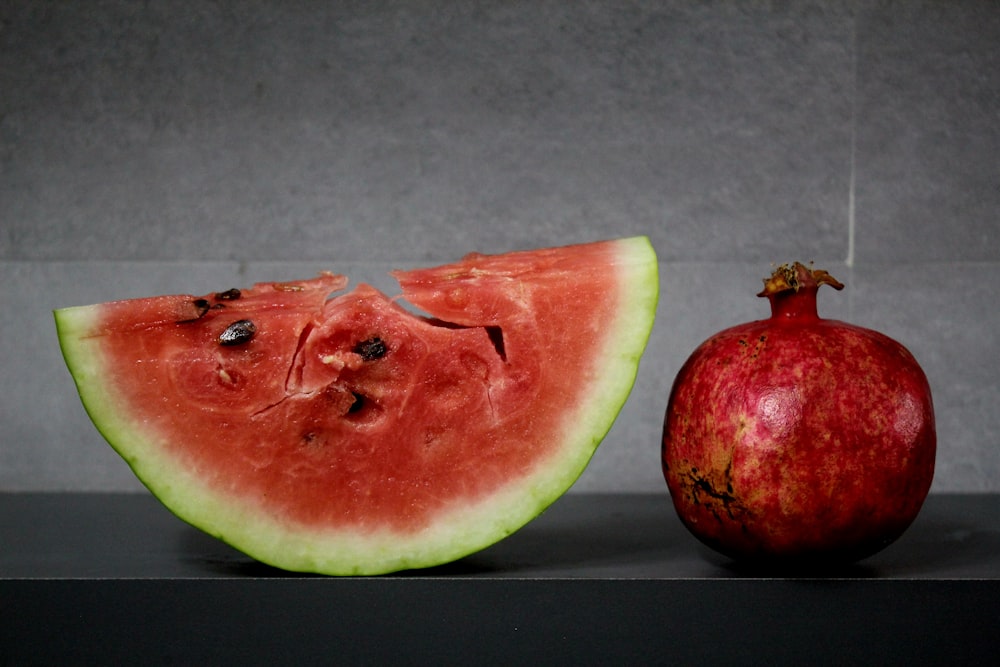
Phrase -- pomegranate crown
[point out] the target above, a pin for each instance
(793, 277)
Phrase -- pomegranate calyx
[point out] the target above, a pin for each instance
(793, 277)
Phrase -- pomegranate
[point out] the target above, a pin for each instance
(796, 439)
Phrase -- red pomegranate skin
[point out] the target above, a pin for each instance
(799, 439)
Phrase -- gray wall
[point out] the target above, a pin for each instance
(188, 147)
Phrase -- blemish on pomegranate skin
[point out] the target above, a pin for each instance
(703, 492)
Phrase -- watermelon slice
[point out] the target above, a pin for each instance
(348, 435)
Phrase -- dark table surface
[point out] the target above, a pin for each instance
(122, 536)
(596, 579)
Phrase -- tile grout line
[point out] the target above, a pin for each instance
(849, 260)
(852, 169)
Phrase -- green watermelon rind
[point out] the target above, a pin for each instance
(465, 530)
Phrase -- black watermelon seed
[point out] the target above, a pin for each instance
(371, 349)
(358, 404)
(238, 333)
(202, 306)
(228, 295)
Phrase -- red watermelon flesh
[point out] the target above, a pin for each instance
(348, 435)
